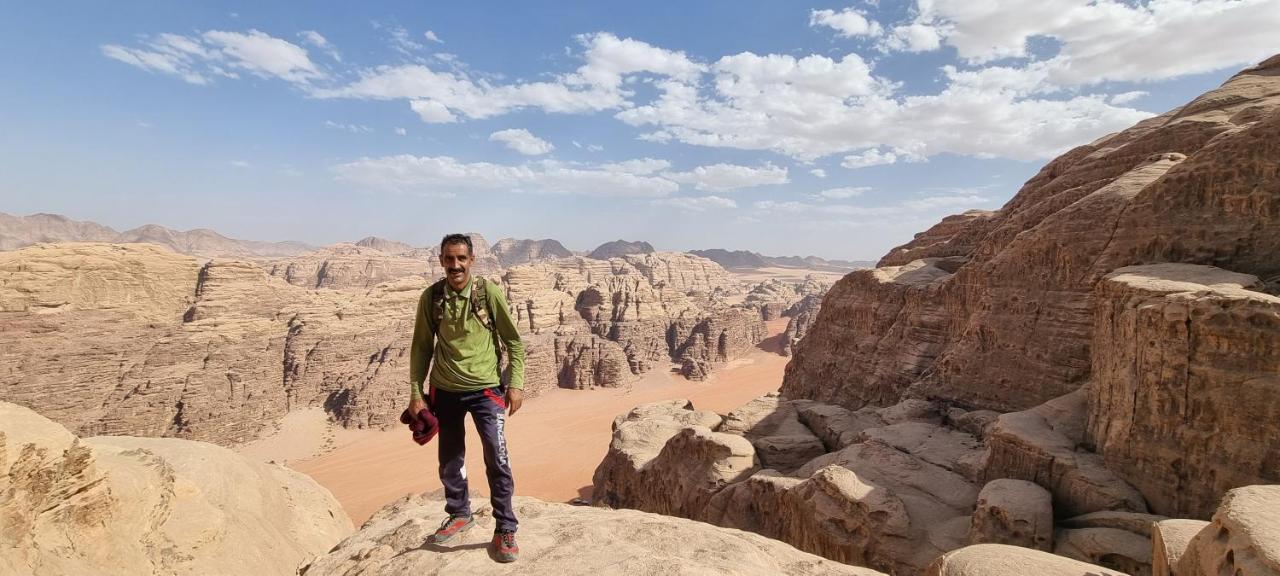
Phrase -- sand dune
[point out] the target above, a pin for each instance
(555, 441)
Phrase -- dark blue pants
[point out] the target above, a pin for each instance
(488, 411)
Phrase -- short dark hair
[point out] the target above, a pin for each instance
(456, 239)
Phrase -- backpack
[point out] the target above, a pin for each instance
(479, 308)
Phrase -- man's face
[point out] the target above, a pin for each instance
(456, 261)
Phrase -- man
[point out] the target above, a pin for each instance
(461, 324)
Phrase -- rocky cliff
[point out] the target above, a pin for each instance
(120, 505)
(1096, 356)
(1004, 311)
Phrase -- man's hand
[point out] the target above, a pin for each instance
(515, 398)
(416, 405)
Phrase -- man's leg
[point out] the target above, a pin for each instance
(489, 412)
(452, 442)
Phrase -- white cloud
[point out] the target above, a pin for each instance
(429, 35)
(240, 164)
(315, 39)
(872, 157)
(1127, 97)
(446, 176)
(522, 141)
(352, 128)
(401, 131)
(638, 166)
(914, 37)
(696, 204)
(818, 173)
(725, 177)
(1108, 40)
(432, 112)
(197, 59)
(842, 193)
(848, 22)
(595, 148)
(401, 41)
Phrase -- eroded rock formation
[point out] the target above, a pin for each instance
(120, 505)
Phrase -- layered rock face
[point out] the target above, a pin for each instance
(1009, 310)
(776, 298)
(620, 248)
(511, 252)
(1196, 185)
(132, 339)
(122, 505)
(556, 539)
(1186, 370)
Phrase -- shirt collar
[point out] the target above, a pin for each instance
(464, 293)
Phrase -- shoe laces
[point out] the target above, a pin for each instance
(508, 539)
(449, 520)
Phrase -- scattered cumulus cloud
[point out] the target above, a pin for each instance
(696, 203)
(848, 22)
(725, 177)
(1127, 97)
(818, 173)
(522, 141)
(240, 164)
(200, 58)
(429, 35)
(401, 131)
(314, 38)
(842, 193)
(872, 157)
(447, 176)
(352, 128)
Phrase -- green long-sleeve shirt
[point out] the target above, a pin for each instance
(465, 360)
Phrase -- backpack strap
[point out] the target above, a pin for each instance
(480, 303)
(436, 296)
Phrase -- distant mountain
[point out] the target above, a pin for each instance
(512, 252)
(747, 259)
(19, 231)
(384, 245)
(620, 248)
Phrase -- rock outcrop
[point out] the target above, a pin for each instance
(1014, 512)
(22, 231)
(557, 539)
(620, 248)
(1006, 311)
(1004, 560)
(121, 505)
(511, 252)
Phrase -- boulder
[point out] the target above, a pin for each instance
(1014, 512)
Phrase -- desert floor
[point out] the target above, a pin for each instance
(555, 441)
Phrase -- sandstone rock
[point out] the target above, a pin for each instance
(618, 248)
(384, 245)
(511, 252)
(121, 505)
(876, 332)
(1038, 445)
(953, 450)
(1004, 560)
(803, 314)
(1169, 541)
(1116, 549)
(1013, 326)
(773, 426)
(1243, 538)
(557, 539)
(1014, 512)
(1131, 521)
(1185, 403)
(837, 427)
(352, 266)
(955, 235)
(696, 369)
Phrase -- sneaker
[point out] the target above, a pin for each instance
(504, 545)
(452, 526)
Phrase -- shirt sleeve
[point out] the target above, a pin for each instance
(423, 342)
(509, 335)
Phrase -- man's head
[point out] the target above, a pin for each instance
(456, 259)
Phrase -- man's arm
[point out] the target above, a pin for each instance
(422, 347)
(509, 335)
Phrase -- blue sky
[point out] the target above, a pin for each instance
(834, 129)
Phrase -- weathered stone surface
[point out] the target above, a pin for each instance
(1014, 512)
(955, 235)
(1004, 560)
(588, 361)
(775, 298)
(1117, 549)
(120, 505)
(803, 314)
(1135, 522)
(352, 266)
(875, 333)
(1185, 403)
(773, 426)
(619, 248)
(1041, 445)
(836, 426)
(696, 369)
(1169, 541)
(1013, 326)
(511, 252)
(1243, 538)
(557, 539)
